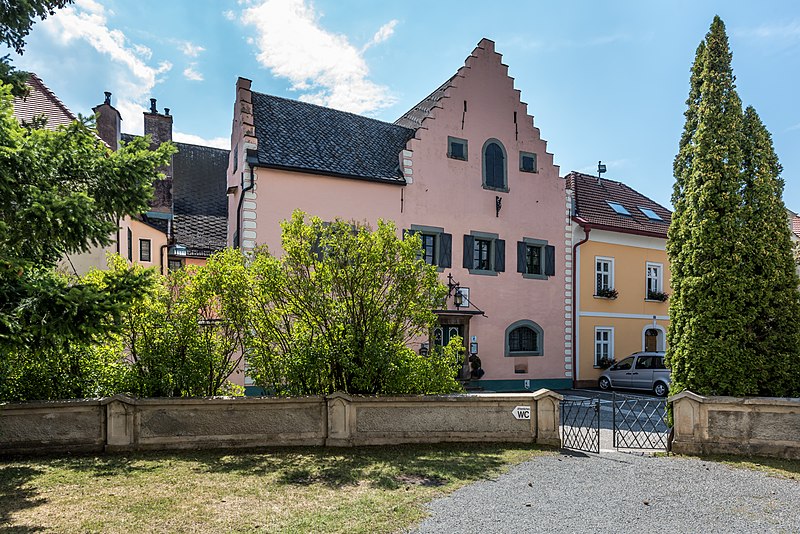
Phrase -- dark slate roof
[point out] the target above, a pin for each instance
(199, 197)
(200, 202)
(591, 205)
(299, 136)
(413, 118)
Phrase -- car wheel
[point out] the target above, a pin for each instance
(660, 389)
(604, 383)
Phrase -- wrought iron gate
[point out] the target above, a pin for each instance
(640, 423)
(580, 425)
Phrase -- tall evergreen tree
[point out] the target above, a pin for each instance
(722, 339)
(775, 305)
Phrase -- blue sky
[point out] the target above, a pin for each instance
(604, 80)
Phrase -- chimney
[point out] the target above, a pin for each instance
(159, 127)
(108, 122)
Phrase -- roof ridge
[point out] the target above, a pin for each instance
(52, 95)
(430, 98)
(309, 104)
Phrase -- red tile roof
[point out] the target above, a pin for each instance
(41, 100)
(796, 225)
(592, 196)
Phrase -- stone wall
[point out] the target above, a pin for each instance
(757, 426)
(122, 423)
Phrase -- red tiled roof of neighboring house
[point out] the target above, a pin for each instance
(796, 225)
(42, 101)
(592, 197)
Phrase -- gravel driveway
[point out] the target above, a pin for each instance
(621, 492)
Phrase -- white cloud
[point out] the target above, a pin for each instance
(191, 74)
(324, 66)
(190, 49)
(230, 15)
(787, 31)
(86, 21)
(218, 142)
(385, 31)
(792, 128)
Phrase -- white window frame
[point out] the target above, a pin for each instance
(610, 262)
(659, 278)
(609, 342)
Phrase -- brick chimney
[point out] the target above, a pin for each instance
(108, 122)
(159, 127)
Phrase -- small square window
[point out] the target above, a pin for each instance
(457, 148)
(527, 162)
(144, 250)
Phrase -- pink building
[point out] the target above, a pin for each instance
(466, 169)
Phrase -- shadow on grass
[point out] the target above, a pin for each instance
(15, 496)
(387, 467)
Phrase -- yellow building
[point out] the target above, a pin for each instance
(621, 282)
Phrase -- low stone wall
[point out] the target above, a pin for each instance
(759, 426)
(121, 423)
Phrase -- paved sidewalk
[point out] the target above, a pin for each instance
(621, 492)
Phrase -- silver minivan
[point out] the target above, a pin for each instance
(641, 370)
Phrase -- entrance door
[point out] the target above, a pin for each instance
(444, 333)
(651, 340)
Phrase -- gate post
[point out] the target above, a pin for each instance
(548, 417)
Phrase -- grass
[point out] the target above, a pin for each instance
(371, 489)
(777, 467)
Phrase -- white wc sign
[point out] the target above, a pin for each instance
(522, 412)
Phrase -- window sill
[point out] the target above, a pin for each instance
(604, 298)
(482, 272)
(459, 159)
(529, 172)
(523, 354)
(498, 189)
(535, 276)
(655, 300)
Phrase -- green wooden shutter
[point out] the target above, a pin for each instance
(469, 251)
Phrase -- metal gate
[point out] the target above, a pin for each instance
(580, 425)
(640, 423)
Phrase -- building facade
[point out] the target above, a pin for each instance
(622, 284)
(467, 169)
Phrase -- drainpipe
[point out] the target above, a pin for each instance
(252, 159)
(586, 228)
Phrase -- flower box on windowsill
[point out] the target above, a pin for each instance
(657, 296)
(604, 363)
(607, 293)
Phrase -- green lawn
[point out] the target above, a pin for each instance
(777, 467)
(371, 489)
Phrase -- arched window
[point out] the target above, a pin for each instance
(494, 165)
(524, 338)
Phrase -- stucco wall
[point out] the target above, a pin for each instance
(729, 425)
(630, 314)
(122, 423)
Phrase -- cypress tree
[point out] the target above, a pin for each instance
(706, 334)
(775, 304)
(728, 257)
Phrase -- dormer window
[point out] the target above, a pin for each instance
(618, 208)
(457, 148)
(494, 166)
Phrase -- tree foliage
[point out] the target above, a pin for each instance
(734, 312)
(61, 192)
(336, 311)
